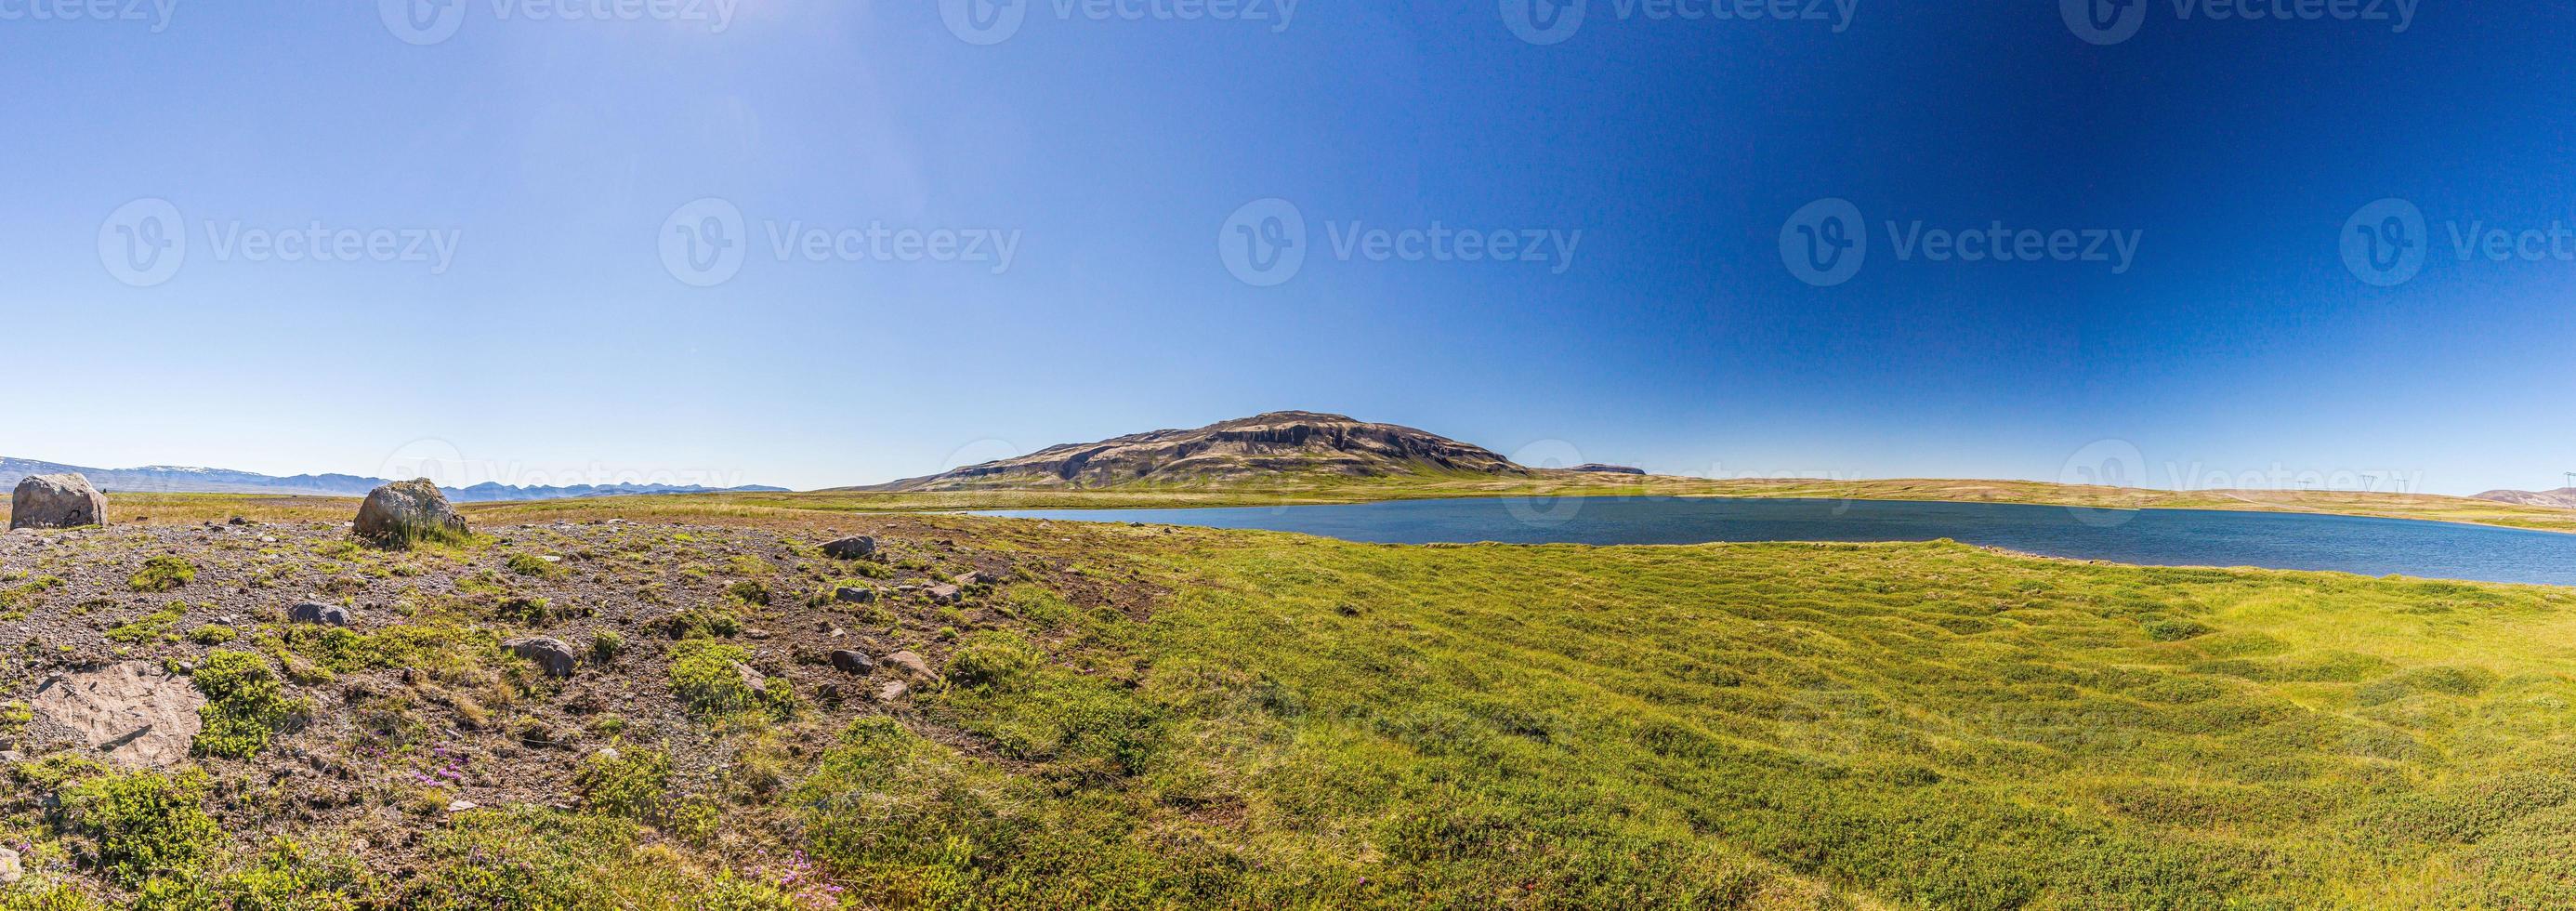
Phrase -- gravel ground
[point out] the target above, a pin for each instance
(380, 753)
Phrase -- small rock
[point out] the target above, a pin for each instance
(558, 658)
(946, 594)
(462, 806)
(56, 501)
(608, 754)
(892, 690)
(9, 871)
(910, 664)
(316, 612)
(850, 662)
(754, 679)
(854, 594)
(236, 520)
(976, 577)
(8, 757)
(550, 558)
(856, 547)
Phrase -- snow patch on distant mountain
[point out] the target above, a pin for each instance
(191, 479)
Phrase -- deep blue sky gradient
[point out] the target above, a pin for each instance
(2238, 345)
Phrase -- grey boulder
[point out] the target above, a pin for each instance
(56, 501)
(407, 511)
(317, 612)
(855, 547)
(556, 657)
(854, 662)
(911, 665)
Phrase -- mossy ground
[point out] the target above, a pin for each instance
(1149, 717)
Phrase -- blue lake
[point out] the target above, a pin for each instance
(2370, 547)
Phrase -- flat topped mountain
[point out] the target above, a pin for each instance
(2562, 498)
(1278, 443)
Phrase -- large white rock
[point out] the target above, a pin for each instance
(56, 501)
(133, 715)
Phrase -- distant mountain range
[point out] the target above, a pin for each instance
(1280, 443)
(182, 479)
(2562, 498)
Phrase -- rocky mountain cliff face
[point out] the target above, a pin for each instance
(2562, 498)
(1278, 443)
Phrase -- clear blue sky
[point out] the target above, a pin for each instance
(1114, 151)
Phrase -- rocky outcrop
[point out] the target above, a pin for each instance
(56, 501)
(404, 512)
(1282, 442)
(133, 715)
(1598, 468)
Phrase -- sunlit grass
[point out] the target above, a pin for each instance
(1316, 489)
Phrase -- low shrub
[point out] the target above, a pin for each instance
(992, 659)
(244, 704)
(2177, 630)
(628, 782)
(146, 824)
(707, 677)
(162, 573)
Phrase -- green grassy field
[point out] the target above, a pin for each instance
(1340, 489)
(1792, 725)
(1259, 720)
